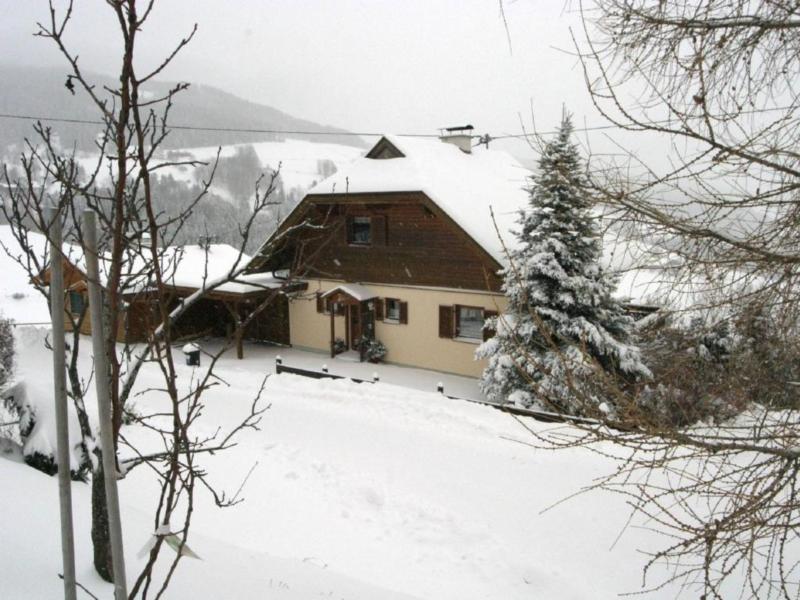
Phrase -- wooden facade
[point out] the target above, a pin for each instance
(413, 242)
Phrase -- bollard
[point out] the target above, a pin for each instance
(375, 378)
(324, 368)
(440, 387)
(278, 360)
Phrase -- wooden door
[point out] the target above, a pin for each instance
(355, 324)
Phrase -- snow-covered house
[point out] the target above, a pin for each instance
(403, 246)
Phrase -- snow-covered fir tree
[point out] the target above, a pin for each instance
(562, 323)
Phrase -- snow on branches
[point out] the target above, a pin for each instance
(562, 330)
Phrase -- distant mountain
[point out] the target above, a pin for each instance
(41, 92)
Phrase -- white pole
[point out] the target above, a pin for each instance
(104, 405)
(60, 392)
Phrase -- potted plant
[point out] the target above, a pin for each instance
(374, 350)
(339, 346)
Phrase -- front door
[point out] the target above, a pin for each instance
(355, 325)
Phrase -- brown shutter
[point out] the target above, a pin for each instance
(320, 303)
(378, 230)
(445, 321)
(348, 229)
(403, 313)
(379, 309)
(488, 332)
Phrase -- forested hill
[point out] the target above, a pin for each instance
(41, 92)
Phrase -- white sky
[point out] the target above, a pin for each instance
(379, 65)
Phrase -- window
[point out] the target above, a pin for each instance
(392, 309)
(465, 322)
(76, 304)
(469, 322)
(360, 229)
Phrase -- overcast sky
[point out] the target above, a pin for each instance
(379, 65)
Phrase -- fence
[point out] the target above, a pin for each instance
(547, 417)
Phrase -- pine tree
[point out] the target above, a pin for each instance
(562, 322)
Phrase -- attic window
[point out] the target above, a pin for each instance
(360, 231)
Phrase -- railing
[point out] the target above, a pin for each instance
(547, 417)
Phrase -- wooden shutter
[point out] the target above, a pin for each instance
(320, 303)
(488, 332)
(403, 313)
(446, 321)
(378, 230)
(348, 229)
(379, 309)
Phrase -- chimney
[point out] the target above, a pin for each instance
(460, 137)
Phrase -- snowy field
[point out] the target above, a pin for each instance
(357, 491)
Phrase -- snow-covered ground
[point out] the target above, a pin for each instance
(357, 491)
(18, 298)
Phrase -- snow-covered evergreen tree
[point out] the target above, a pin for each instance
(562, 322)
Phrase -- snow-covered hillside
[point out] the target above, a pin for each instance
(299, 162)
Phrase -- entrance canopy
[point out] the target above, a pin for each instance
(354, 292)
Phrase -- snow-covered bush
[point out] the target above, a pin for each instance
(562, 326)
(339, 346)
(711, 371)
(6, 351)
(373, 350)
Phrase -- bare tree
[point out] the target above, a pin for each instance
(717, 80)
(135, 264)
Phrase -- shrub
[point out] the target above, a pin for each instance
(339, 346)
(373, 350)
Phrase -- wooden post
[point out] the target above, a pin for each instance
(238, 332)
(333, 332)
(440, 387)
(60, 384)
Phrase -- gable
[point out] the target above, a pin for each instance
(384, 149)
(482, 191)
(418, 245)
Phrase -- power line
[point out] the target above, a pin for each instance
(754, 111)
(354, 133)
(217, 129)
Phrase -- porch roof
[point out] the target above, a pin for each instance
(354, 290)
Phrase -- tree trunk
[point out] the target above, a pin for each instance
(101, 540)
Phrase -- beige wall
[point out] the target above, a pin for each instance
(415, 344)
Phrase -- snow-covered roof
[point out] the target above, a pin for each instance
(355, 290)
(191, 266)
(468, 187)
